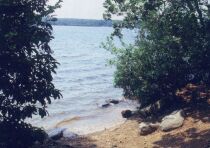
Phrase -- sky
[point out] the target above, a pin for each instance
(84, 9)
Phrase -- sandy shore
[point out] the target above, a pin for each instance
(191, 135)
(195, 133)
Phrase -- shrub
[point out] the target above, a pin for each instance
(172, 47)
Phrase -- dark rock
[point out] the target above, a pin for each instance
(126, 113)
(105, 105)
(151, 109)
(109, 103)
(114, 101)
(147, 128)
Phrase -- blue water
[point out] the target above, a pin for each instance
(85, 81)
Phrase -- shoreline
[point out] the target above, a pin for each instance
(194, 133)
(95, 121)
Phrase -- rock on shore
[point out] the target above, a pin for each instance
(147, 128)
(126, 113)
(172, 121)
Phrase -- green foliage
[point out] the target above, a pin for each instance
(172, 47)
(26, 67)
(22, 135)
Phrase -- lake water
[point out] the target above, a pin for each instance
(85, 81)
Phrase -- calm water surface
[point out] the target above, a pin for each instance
(85, 81)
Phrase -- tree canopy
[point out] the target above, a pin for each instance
(26, 67)
(171, 51)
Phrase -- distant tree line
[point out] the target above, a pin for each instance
(82, 22)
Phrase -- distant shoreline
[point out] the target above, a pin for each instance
(79, 26)
(82, 22)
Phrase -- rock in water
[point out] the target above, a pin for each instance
(126, 113)
(56, 133)
(105, 105)
(114, 101)
(147, 128)
(172, 121)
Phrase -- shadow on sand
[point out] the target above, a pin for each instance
(80, 142)
(192, 137)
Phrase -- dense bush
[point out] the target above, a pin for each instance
(26, 67)
(172, 47)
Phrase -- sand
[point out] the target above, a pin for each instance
(191, 135)
(195, 133)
